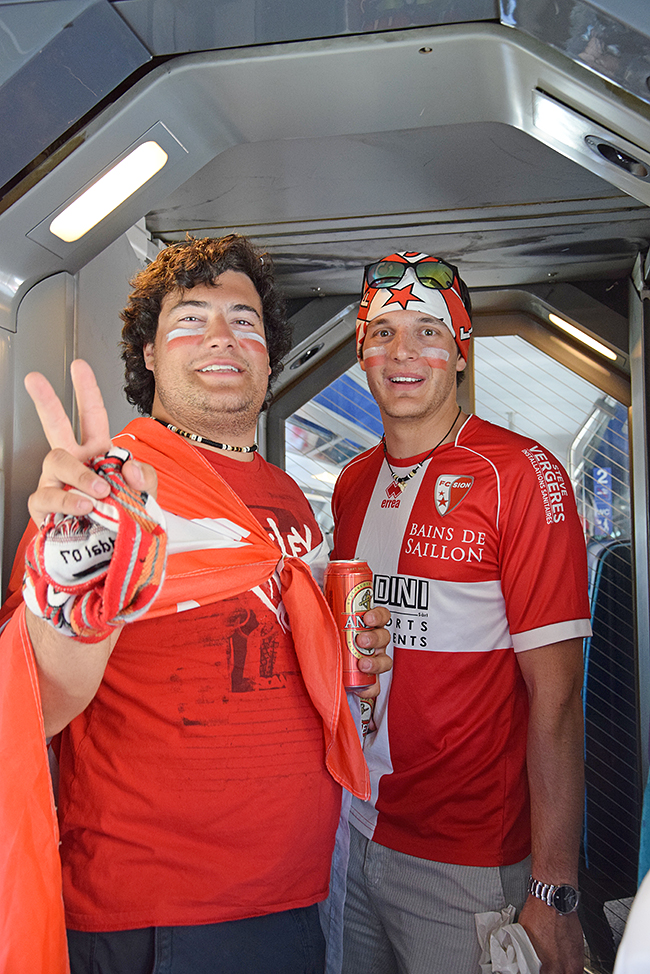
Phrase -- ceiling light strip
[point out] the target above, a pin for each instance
(112, 189)
(583, 337)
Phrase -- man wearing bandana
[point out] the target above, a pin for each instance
(472, 534)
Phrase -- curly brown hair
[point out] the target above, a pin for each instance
(182, 266)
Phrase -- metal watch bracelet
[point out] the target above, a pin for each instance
(563, 898)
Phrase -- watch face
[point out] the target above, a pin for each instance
(565, 899)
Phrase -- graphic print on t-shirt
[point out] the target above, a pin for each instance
(449, 491)
(248, 636)
(434, 534)
(236, 648)
(263, 630)
(240, 625)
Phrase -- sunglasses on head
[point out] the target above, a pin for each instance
(435, 274)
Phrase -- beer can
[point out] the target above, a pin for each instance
(348, 590)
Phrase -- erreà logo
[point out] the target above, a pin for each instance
(393, 490)
(449, 491)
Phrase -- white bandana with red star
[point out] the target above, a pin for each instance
(410, 295)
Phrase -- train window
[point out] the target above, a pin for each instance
(326, 433)
(520, 387)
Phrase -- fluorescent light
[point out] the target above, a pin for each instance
(325, 476)
(107, 193)
(583, 337)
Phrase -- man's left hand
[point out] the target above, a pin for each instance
(557, 939)
(376, 637)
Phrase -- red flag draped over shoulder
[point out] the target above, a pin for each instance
(227, 552)
(32, 929)
(217, 549)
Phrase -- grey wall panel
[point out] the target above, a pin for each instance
(75, 70)
(43, 342)
(59, 319)
(168, 27)
(102, 292)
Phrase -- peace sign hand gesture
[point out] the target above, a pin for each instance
(65, 464)
(70, 672)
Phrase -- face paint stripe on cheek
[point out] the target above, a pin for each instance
(248, 336)
(177, 333)
(374, 355)
(436, 357)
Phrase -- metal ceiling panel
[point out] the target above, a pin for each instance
(490, 197)
(22, 35)
(69, 76)
(200, 25)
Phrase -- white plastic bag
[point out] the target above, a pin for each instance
(506, 947)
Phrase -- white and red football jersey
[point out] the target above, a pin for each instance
(481, 556)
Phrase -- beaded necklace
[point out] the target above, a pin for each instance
(203, 439)
(403, 481)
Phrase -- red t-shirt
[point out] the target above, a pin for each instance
(480, 557)
(193, 788)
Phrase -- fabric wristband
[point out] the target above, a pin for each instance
(87, 574)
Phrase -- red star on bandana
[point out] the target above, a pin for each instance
(402, 296)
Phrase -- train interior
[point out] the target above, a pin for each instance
(511, 137)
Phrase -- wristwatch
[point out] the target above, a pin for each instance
(564, 898)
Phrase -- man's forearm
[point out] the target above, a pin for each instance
(69, 672)
(556, 781)
(553, 676)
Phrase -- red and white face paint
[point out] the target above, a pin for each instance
(194, 336)
(436, 357)
(188, 336)
(250, 340)
(374, 355)
(382, 334)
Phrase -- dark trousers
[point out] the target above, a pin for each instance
(290, 942)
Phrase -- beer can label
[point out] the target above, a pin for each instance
(357, 601)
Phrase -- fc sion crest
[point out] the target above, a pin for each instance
(449, 491)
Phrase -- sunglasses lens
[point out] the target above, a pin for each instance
(388, 273)
(385, 273)
(435, 274)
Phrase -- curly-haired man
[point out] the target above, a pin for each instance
(201, 748)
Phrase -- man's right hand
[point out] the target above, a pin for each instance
(65, 464)
(70, 672)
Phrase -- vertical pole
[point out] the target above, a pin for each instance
(639, 429)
